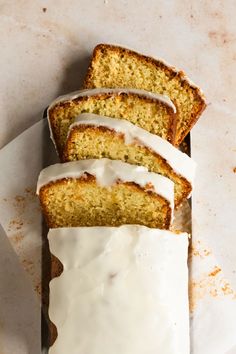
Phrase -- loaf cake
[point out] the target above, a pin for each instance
(93, 136)
(153, 112)
(122, 290)
(104, 193)
(114, 66)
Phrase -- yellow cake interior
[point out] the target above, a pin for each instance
(82, 202)
(151, 115)
(113, 66)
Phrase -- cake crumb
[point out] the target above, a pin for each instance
(44, 9)
(29, 191)
(214, 272)
(17, 239)
(227, 290)
(198, 250)
(28, 266)
(15, 224)
(19, 203)
(38, 289)
(209, 285)
(234, 169)
(19, 198)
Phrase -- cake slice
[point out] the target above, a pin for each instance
(93, 136)
(155, 113)
(104, 193)
(124, 289)
(114, 66)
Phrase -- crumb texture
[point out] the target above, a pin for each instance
(82, 202)
(151, 115)
(113, 66)
(89, 142)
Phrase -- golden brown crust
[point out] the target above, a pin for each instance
(195, 117)
(170, 71)
(61, 106)
(84, 127)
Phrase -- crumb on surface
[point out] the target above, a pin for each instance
(234, 169)
(214, 272)
(198, 250)
(28, 266)
(227, 290)
(17, 238)
(15, 224)
(44, 9)
(19, 198)
(38, 288)
(209, 285)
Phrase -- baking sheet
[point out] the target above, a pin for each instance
(212, 298)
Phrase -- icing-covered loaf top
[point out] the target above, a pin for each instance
(122, 290)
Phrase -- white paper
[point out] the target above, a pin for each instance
(19, 307)
(21, 161)
(213, 300)
(212, 303)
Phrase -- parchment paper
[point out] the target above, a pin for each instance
(212, 298)
(19, 307)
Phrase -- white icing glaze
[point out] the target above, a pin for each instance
(123, 290)
(114, 91)
(107, 172)
(180, 162)
(100, 91)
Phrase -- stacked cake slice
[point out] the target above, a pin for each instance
(93, 136)
(105, 192)
(113, 66)
(153, 112)
(119, 275)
